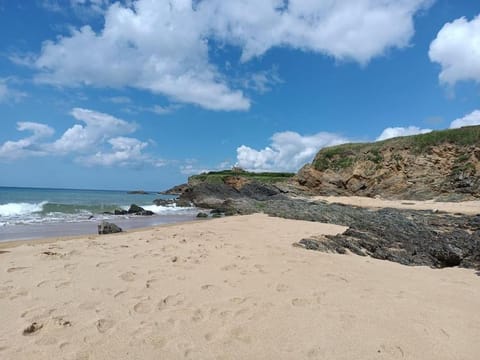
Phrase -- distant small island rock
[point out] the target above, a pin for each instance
(138, 192)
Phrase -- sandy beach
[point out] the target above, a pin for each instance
(228, 288)
(464, 207)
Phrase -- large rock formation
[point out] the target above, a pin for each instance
(444, 165)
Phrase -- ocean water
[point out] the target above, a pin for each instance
(36, 212)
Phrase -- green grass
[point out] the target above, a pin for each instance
(219, 176)
(343, 156)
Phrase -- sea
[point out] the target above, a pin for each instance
(33, 213)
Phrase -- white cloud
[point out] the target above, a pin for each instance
(29, 146)
(347, 30)
(163, 46)
(468, 120)
(457, 49)
(288, 151)
(125, 151)
(157, 46)
(392, 132)
(98, 128)
(99, 142)
(7, 93)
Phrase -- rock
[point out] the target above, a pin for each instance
(164, 202)
(108, 228)
(138, 192)
(202, 215)
(137, 210)
(217, 215)
(32, 328)
(176, 190)
(120, 212)
(183, 202)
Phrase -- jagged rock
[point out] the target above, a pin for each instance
(427, 166)
(163, 202)
(183, 202)
(120, 212)
(108, 228)
(176, 190)
(137, 210)
(202, 215)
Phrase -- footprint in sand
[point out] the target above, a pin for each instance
(171, 300)
(120, 293)
(142, 308)
(281, 288)
(229, 267)
(197, 315)
(300, 302)
(103, 325)
(15, 269)
(128, 276)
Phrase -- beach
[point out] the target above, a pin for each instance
(228, 288)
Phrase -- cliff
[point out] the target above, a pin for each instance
(442, 165)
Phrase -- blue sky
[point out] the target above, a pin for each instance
(141, 94)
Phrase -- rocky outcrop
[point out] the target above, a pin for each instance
(108, 228)
(442, 165)
(176, 190)
(215, 195)
(138, 210)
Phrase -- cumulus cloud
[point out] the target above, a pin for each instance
(288, 151)
(347, 30)
(28, 146)
(468, 120)
(392, 132)
(457, 49)
(100, 141)
(125, 151)
(98, 128)
(163, 46)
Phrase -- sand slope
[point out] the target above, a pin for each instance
(230, 288)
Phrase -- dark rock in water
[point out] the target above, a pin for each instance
(217, 215)
(216, 211)
(138, 192)
(137, 210)
(108, 228)
(183, 202)
(120, 212)
(163, 202)
(202, 215)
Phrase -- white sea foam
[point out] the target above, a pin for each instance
(164, 210)
(19, 209)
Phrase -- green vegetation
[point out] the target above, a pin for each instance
(343, 156)
(220, 176)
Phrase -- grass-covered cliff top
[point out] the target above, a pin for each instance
(219, 176)
(342, 156)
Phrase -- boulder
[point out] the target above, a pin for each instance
(163, 202)
(138, 210)
(120, 212)
(108, 228)
(202, 215)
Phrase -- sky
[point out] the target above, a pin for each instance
(102, 94)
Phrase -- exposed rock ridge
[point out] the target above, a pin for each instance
(443, 165)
